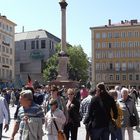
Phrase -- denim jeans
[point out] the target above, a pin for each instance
(99, 133)
(117, 135)
(1, 125)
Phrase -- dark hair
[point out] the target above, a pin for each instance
(92, 92)
(101, 86)
(103, 91)
(54, 88)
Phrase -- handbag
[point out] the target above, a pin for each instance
(132, 118)
(61, 134)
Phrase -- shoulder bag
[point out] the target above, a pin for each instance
(61, 134)
(132, 118)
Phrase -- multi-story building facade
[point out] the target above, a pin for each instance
(116, 54)
(33, 48)
(7, 50)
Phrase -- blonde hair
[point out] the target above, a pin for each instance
(70, 90)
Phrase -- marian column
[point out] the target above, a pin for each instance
(63, 57)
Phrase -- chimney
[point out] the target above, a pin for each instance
(4, 16)
(23, 29)
(122, 22)
(134, 21)
(109, 22)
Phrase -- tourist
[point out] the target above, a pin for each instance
(60, 100)
(117, 133)
(84, 109)
(54, 120)
(128, 106)
(74, 118)
(30, 118)
(99, 115)
(4, 115)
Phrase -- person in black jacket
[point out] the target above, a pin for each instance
(73, 121)
(99, 116)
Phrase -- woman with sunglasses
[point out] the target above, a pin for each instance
(73, 122)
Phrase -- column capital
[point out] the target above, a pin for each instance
(63, 4)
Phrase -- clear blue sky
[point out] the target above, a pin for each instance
(81, 15)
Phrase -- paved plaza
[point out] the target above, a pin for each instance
(81, 131)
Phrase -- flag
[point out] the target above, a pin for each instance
(29, 83)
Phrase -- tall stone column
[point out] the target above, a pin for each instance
(63, 57)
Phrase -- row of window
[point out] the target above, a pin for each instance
(99, 54)
(117, 44)
(5, 49)
(117, 77)
(124, 34)
(117, 54)
(6, 73)
(6, 39)
(37, 44)
(5, 60)
(118, 66)
(6, 27)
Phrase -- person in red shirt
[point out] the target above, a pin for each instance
(83, 92)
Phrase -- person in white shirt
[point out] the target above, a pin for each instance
(4, 115)
(54, 114)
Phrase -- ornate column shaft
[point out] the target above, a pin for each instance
(63, 6)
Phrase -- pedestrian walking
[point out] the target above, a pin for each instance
(54, 120)
(30, 118)
(4, 115)
(84, 105)
(73, 106)
(117, 133)
(128, 106)
(99, 113)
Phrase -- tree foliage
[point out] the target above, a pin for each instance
(77, 66)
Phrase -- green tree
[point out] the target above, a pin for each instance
(77, 66)
(50, 72)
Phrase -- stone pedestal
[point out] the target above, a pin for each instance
(65, 83)
(62, 68)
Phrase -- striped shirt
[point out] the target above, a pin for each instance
(34, 111)
(84, 106)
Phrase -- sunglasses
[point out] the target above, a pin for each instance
(71, 94)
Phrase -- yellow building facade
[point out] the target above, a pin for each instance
(7, 50)
(116, 54)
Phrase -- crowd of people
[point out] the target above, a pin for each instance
(63, 109)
